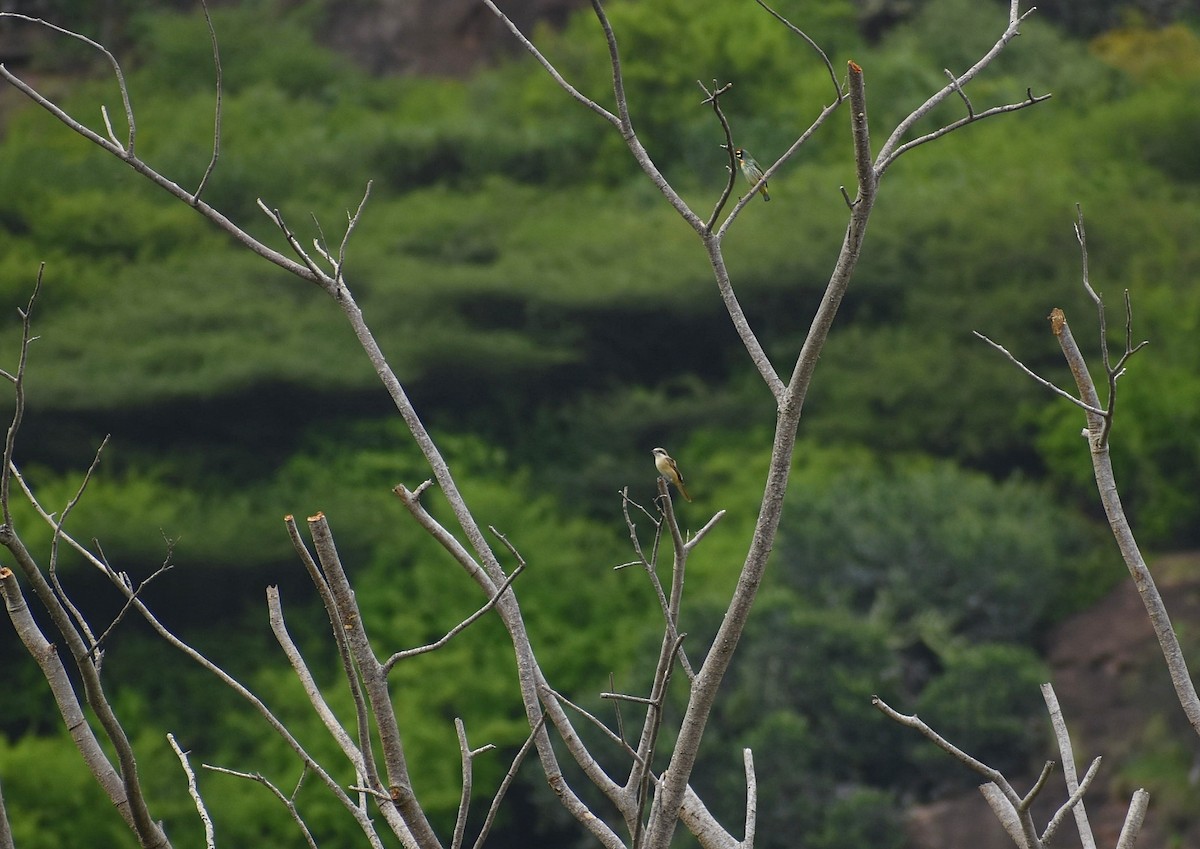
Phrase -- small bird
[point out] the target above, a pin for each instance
(751, 170)
(667, 468)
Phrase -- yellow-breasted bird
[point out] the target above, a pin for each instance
(751, 170)
(667, 468)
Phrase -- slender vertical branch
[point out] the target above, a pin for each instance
(1068, 761)
(18, 381)
(374, 684)
(216, 150)
(210, 839)
(1185, 689)
(751, 799)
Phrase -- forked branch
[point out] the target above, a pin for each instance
(1099, 418)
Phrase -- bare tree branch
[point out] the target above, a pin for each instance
(751, 799)
(332, 724)
(1134, 819)
(1073, 802)
(893, 148)
(1062, 393)
(210, 840)
(18, 381)
(1185, 690)
(457, 629)
(6, 837)
(837, 88)
(289, 802)
(374, 685)
(216, 152)
(486, 829)
(1068, 761)
(1027, 830)
(468, 756)
(55, 672)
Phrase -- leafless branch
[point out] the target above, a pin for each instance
(1037, 787)
(210, 840)
(1062, 393)
(468, 756)
(126, 154)
(360, 816)
(595, 720)
(289, 802)
(1065, 750)
(751, 799)
(216, 152)
(713, 98)
(958, 88)
(1134, 819)
(1185, 689)
(18, 381)
(837, 88)
(457, 629)
(374, 685)
(993, 776)
(279, 628)
(971, 118)
(369, 770)
(131, 126)
(1072, 802)
(893, 147)
(55, 672)
(6, 837)
(506, 783)
(164, 567)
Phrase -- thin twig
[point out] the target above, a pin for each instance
(1073, 802)
(509, 777)
(713, 98)
(112, 60)
(18, 380)
(457, 629)
(164, 567)
(1062, 393)
(1037, 787)
(288, 802)
(52, 565)
(1030, 100)
(216, 151)
(958, 88)
(210, 839)
(837, 88)
(892, 148)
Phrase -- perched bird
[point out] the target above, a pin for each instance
(751, 170)
(667, 468)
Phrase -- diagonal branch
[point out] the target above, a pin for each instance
(1068, 760)
(1062, 393)
(892, 148)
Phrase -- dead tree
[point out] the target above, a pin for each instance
(644, 806)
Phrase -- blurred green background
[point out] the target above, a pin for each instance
(553, 321)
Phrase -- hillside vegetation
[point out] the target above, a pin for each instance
(554, 322)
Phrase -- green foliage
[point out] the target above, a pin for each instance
(986, 702)
(50, 769)
(554, 322)
(900, 540)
